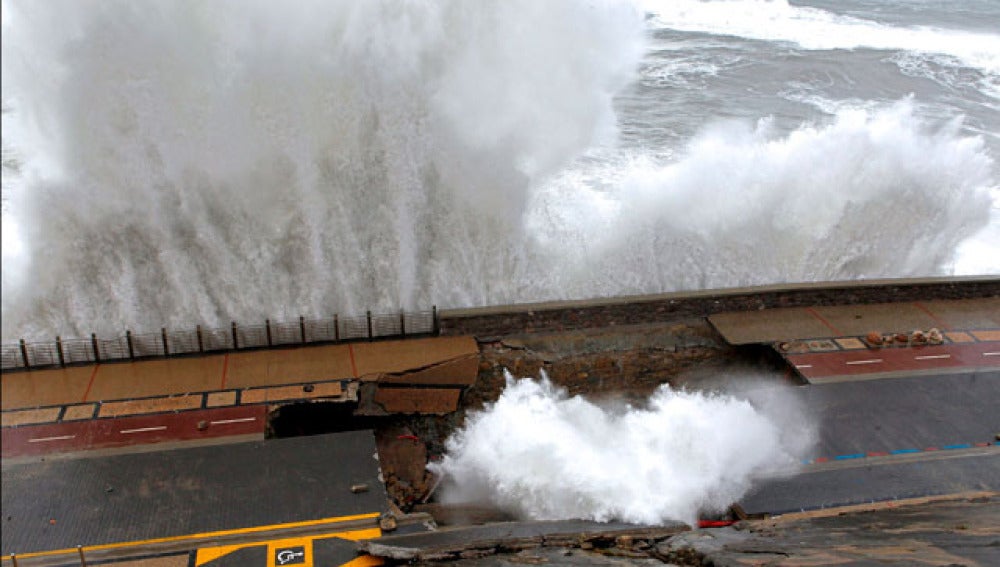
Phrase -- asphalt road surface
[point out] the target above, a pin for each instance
(893, 438)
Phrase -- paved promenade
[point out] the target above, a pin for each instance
(201, 398)
(235, 370)
(795, 323)
(830, 344)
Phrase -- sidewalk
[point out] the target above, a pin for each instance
(776, 325)
(260, 376)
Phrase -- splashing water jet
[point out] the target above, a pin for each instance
(543, 455)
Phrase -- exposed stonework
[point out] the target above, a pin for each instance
(624, 364)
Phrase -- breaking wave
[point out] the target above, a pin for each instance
(185, 163)
(872, 194)
(543, 455)
(814, 28)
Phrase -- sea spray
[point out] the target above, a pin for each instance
(188, 162)
(870, 194)
(541, 454)
(183, 162)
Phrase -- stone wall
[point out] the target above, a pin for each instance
(568, 315)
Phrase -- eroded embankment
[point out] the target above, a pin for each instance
(624, 364)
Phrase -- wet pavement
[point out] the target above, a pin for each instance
(59, 504)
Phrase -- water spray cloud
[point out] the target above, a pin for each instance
(543, 455)
(186, 163)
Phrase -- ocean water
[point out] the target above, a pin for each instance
(172, 163)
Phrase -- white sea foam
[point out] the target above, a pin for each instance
(193, 163)
(813, 28)
(871, 194)
(541, 454)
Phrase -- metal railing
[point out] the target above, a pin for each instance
(62, 352)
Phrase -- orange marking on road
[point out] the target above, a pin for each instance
(225, 370)
(91, 383)
(354, 366)
(836, 332)
(940, 323)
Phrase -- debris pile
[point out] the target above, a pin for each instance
(917, 337)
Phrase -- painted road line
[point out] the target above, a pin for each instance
(991, 354)
(931, 356)
(225, 421)
(803, 366)
(57, 438)
(900, 456)
(870, 361)
(143, 429)
(357, 522)
(896, 452)
(851, 456)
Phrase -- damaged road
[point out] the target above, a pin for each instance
(953, 530)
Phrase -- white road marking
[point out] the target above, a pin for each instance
(872, 361)
(44, 439)
(803, 366)
(991, 354)
(931, 356)
(240, 420)
(144, 429)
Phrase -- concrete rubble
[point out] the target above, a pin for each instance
(958, 531)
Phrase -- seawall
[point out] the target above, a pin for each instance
(632, 310)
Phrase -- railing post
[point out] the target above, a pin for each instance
(131, 347)
(201, 344)
(267, 325)
(24, 354)
(336, 328)
(302, 328)
(59, 351)
(83, 560)
(402, 323)
(236, 340)
(166, 345)
(369, 313)
(435, 326)
(93, 344)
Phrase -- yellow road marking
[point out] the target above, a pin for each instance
(220, 533)
(355, 535)
(207, 554)
(364, 561)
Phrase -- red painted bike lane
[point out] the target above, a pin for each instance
(896, 359)
(30, 440)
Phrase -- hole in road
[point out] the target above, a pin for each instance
(316, 418)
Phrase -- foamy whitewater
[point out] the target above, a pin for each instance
(180, 162)
(542, 455)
